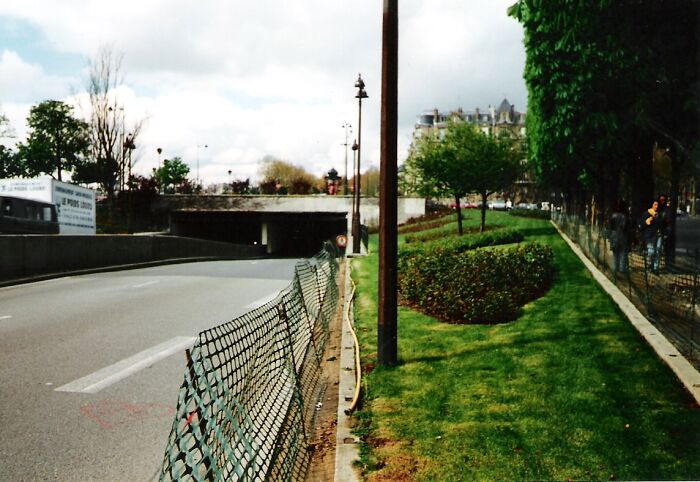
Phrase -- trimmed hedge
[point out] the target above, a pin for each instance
(458, 244)
(531, 213)
(425, 225)
(477, 286)
(445, 230)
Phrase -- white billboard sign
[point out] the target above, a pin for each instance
(75, 205)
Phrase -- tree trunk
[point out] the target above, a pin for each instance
(484, 195)
(459, 215)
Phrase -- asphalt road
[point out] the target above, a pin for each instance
(688, 234)
(90, 366)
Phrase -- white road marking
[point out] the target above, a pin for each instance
(147, 283)
(6, 317)
(259, 302)
(95, 382)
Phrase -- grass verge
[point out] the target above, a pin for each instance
(567, 391)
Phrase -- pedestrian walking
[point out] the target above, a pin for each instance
(620, 237)
(651, 225)
(665, 218)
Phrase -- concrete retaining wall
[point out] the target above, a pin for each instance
(369, 206)
(23, 256)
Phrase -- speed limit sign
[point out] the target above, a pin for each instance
(341, 241)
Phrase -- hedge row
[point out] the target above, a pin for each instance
(459, 244)
(425, 225)
(478, 286)
(531, 213)
(445, 230)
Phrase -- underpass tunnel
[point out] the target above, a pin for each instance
(284, 233)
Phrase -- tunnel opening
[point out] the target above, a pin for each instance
(285, 234)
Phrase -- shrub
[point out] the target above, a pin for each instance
(425, 225)
(445, 230)
(457, 244)
(531, 213)
(477, 286)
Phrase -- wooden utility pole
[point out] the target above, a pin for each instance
(388, 192)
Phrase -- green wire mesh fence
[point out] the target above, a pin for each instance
(249, 395)
(669, 296)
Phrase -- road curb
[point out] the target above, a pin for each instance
(685, 372)
(347, 449)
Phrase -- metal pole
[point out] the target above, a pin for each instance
(345, 187)
(388, 192)
(361, 94)
(356, 218)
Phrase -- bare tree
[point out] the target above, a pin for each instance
(111, 140)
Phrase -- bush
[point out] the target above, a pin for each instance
(531, 213)
(445, 230)
(458, 244)
(425, 225)
(477, 286)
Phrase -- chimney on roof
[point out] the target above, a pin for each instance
(511, 114)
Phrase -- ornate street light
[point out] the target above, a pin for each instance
(361, 94)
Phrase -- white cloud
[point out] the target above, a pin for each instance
(270, 77)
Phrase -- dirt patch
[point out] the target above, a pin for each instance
(393, 464)
(322, 440)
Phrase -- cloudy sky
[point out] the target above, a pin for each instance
(269, 77)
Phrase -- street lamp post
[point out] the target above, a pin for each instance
(354, 182)
(160, 188)
(198, 146)
(348, 128)
(361, 94)
(129, 146)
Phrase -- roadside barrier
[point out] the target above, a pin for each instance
(249, 397)
(668, 296)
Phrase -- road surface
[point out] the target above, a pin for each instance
(91, 365)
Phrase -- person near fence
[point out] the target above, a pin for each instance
(665, 217)
(651, 232)
(620, 237)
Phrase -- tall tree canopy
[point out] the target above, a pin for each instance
(606, 81)
(57, 141)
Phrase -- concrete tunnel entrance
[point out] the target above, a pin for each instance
(284, 233)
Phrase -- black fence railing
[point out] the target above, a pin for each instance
(248, 400)
(666, 290)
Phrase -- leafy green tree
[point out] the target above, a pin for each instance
(606, 81)
(172, 175)
(10, 164)
(465, 160)
(57, 140)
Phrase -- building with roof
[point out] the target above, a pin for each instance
(491, 120)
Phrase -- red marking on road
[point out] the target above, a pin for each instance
(110, 414)
(189, 419)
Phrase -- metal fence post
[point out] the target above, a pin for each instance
(694, 303)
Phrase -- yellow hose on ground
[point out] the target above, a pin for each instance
(358, 368)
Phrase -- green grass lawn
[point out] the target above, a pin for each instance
(569, 390)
